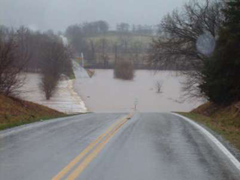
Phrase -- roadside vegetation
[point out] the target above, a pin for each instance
(14, 56)
(124, 70)
(23, 50)
(15, 112)
(56, 62)
(203, 40)
(223, 120)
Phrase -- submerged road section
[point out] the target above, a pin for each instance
(145, 146)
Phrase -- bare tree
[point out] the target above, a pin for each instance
(103, 45)
(115, 50)
(56, 61)
(177, 46)
(93, 52)
(49, 85)
(136, 50)
(14, 56)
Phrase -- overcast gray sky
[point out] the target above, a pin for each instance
(58, 14)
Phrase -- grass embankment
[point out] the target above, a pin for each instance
(15, 112)
(223, 120)
(72, 76)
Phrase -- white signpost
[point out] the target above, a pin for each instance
(135, 104)
(82, 57)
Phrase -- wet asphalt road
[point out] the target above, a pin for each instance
(150, 146)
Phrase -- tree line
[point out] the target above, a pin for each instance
(98, 27)
(203, 37)
(22, 50)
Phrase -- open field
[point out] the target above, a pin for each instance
(112, 38)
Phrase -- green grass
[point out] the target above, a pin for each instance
(113, 38)
(72, 76)
(224, 126)
(22, 122)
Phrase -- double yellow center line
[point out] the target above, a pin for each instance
(91, 151)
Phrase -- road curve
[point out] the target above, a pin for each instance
(150, 146)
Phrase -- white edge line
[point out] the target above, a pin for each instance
(214, 140)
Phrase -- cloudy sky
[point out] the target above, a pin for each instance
(58, 14)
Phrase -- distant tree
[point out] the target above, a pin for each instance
(93, 28)
(123, 27)
(134, 28)
(76, 37)
(116, 51)
(136, 49)
(92, 57)
(103, 46)
(78, 34)
(144, 29)
(124, 43)
(103, 26)
(221, 74)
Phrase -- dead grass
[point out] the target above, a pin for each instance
(223, 120)
(227, 116)
(14, 112)
(90, 72)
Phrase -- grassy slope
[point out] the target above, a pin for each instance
(223, 120)
(14, 112)
(112, 37)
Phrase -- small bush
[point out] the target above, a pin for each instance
(124, 70)
(56, 60)
(158, 87)
(49, 85)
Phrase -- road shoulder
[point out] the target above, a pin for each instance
(224, 145)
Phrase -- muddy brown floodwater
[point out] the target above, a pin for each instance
(103, 93)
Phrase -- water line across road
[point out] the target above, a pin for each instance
(107, 146)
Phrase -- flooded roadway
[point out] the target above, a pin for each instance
(103, 93)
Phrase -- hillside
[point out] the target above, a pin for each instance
(114, 37)
(14, 112)
(104, 49)
(223, 120)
